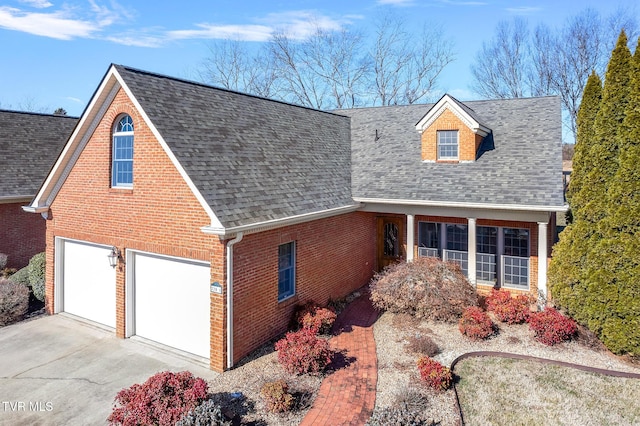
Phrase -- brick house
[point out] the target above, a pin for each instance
(222, 211)
(28, 143)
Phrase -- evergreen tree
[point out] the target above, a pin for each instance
(569, 254)
(619, 250)
(595, 272)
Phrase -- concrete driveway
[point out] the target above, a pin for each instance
(56, 370)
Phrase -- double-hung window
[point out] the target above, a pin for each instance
(286, 270)
(428, 239)
(447, 144)
(122, 155)
(516, 258)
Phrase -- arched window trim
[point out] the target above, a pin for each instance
(122, 152)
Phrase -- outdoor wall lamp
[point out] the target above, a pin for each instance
(114, 256)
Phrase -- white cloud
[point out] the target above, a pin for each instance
(523, 10)
(55, 25)
(296, 24)
(39, 4)
(212, 31)
(397, 2)
(72, 99)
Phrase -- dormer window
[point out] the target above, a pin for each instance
(122, 155)
(448, 144)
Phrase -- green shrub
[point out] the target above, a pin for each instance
(21, 277)
(434, 374)
(208, 413)
(36, 275)
(276, 396)
(14, 301)
(476, 324)
(426, 288)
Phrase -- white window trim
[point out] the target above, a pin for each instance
(451, 158)
(293, 262)
(115, 134)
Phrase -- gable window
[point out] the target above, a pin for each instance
(122, 155)
(447, 144)
(286, 270)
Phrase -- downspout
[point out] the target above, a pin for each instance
(230, 245)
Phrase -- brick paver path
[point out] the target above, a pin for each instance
(348, 394)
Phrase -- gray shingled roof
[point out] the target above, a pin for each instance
(521, 163)
(29, 144)
(252, 159)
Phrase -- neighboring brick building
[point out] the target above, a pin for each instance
(226, 210)
(28, 144)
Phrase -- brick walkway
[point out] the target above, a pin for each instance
(348, 394)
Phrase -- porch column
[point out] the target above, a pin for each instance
(542, 260)
(410, 239)
(471, 250)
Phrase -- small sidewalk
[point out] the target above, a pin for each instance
(347, 395)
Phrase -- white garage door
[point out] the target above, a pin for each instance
(172, 299)
(88, 282)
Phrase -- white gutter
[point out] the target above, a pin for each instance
(278, 223)
(15, 198)
(230, 245)
(522, 207)
(31, 209)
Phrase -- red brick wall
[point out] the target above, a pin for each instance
(159, 214)
(468, 142)
(334, 256)
(22, 234)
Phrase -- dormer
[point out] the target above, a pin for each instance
(451, 132)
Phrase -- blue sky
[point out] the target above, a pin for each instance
(56, 52)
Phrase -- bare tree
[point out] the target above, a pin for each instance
(405, 69)
(549, 61)
(501, 65)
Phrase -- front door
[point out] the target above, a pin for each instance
(389, 241)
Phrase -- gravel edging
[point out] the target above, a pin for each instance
(397, 368)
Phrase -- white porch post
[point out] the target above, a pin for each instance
(410, 239)
(542, 260)
(471, 250)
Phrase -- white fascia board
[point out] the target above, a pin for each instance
(215, 222)
(520, 207)
(42, 198)
(8, 199)
(278, 223)
(447, 103)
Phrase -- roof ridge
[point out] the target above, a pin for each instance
(42, 114)
(222, 89)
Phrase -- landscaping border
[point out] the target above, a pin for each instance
(586, 368)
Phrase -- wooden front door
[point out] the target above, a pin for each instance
(390, 250)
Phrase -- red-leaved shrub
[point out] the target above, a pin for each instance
(425, 288)
(162, 400)
(303, 352)
(475, 323)
(551, 327)
(277, 397)
(315, 317)
(434, 374)
(512, 310)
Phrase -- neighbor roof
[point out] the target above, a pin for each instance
(520, 162)
(29, 142)
(252, 159)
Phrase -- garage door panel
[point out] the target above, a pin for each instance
(89, 282)
(172, 302)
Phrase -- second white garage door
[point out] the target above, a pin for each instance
(172, 302)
